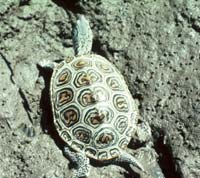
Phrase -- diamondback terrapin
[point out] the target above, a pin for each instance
(93, 110)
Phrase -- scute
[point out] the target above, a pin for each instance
(92, 107)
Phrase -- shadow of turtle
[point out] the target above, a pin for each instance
(69, 5)
(47, 123)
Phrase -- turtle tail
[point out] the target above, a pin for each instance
(82, 36)
(131, 160)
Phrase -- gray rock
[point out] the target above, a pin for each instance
(155, 44)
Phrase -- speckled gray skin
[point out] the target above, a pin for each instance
(155, 44)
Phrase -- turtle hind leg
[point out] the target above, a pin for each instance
(82, 165)
(131, 160)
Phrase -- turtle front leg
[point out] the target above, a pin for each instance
(47, 65)
(82, 163)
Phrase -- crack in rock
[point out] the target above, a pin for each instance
(9, 67)
(25, 104)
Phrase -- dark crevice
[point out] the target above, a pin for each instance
(25, 18)
(97, 48)
(166, 160)
(131, 174)
(9, 67)
(25, 104)
(69, 5)
(24, 2)
(136, 144)
(138, 96)
(184, 16)
(25, 101)
(191, 22)
(196, 27)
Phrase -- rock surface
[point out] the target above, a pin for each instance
(155, 44)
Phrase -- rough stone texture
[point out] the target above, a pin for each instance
(155, 44)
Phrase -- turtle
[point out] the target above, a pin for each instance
(93, 110)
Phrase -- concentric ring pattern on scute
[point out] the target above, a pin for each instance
(92, 106)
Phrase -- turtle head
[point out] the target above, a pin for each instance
(82, 36)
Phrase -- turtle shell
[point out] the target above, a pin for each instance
(93, 109)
